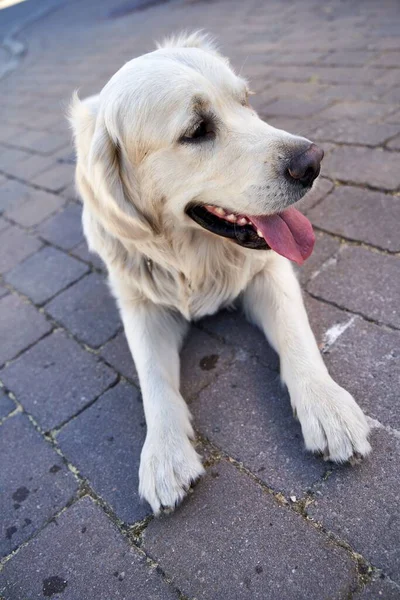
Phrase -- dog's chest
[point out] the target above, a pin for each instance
(197, 299)
(204, 293)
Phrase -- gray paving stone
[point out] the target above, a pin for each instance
(70, 192)
(3, 291)
(230, 539)
(56, 177)
(359, 503)
(362, 357)
(325, 317)
(6, 405)
(366, 359)
(352, 164)
(360, 111)
(14, 194)
(363, 281)
(29, 167)
(346, 58)
(34, 481)
(247, 413)
(394, 144)
(20, 326)
(116, 352)
(394, 118)
(321, 74)
(82, 252)
(43, 142)
(15, 246)
(56, 378)
(247, 340)
(202, 358)
(81, 556)
(325, 247)
(65, 228)
(3, 224)
(12, 156)
(105, 443)
(294, 107)
(87, 310)
(321, 188)
(344, 131)
(381, 588)
(40, 206)
(45, 273)
(354, 213)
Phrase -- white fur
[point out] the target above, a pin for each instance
(136, 179)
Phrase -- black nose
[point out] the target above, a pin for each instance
(305, 167)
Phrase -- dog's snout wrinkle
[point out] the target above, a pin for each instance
(305, 166)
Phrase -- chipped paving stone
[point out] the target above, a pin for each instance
(362, 281)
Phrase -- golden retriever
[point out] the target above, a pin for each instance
(188, 200)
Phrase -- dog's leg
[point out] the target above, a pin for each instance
(330, 419)
(168, 463)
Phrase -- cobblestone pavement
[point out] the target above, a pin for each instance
(268, 521)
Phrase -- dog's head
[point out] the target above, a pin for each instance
(172, 142)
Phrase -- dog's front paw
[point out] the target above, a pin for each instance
(331, 420)
(168, 465)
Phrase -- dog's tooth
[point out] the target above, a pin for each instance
(242, 221)
(259, 233)
(231, 218)
(219, 211)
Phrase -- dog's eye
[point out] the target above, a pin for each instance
(203, 131)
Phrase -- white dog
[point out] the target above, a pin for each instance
(188, 200)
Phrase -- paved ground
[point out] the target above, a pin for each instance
(268, 521)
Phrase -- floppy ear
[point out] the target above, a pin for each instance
(104, 176)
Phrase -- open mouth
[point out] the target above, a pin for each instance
(288, 233)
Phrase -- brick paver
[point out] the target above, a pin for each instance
(20, 324)
(35, 490)
(247, 413)
(88, 310)
(6, 405)
(383, 589)
(223, 520)
(366, 360)
(64, 229)
(31, 277)
(55, 379)
(44, 569)
(352, 164)
(15, 245)
(104, 442)
(369, 284)
(349, 499)
(39, 206)
(364, 210)
(269, 520)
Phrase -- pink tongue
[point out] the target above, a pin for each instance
(289, 234)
